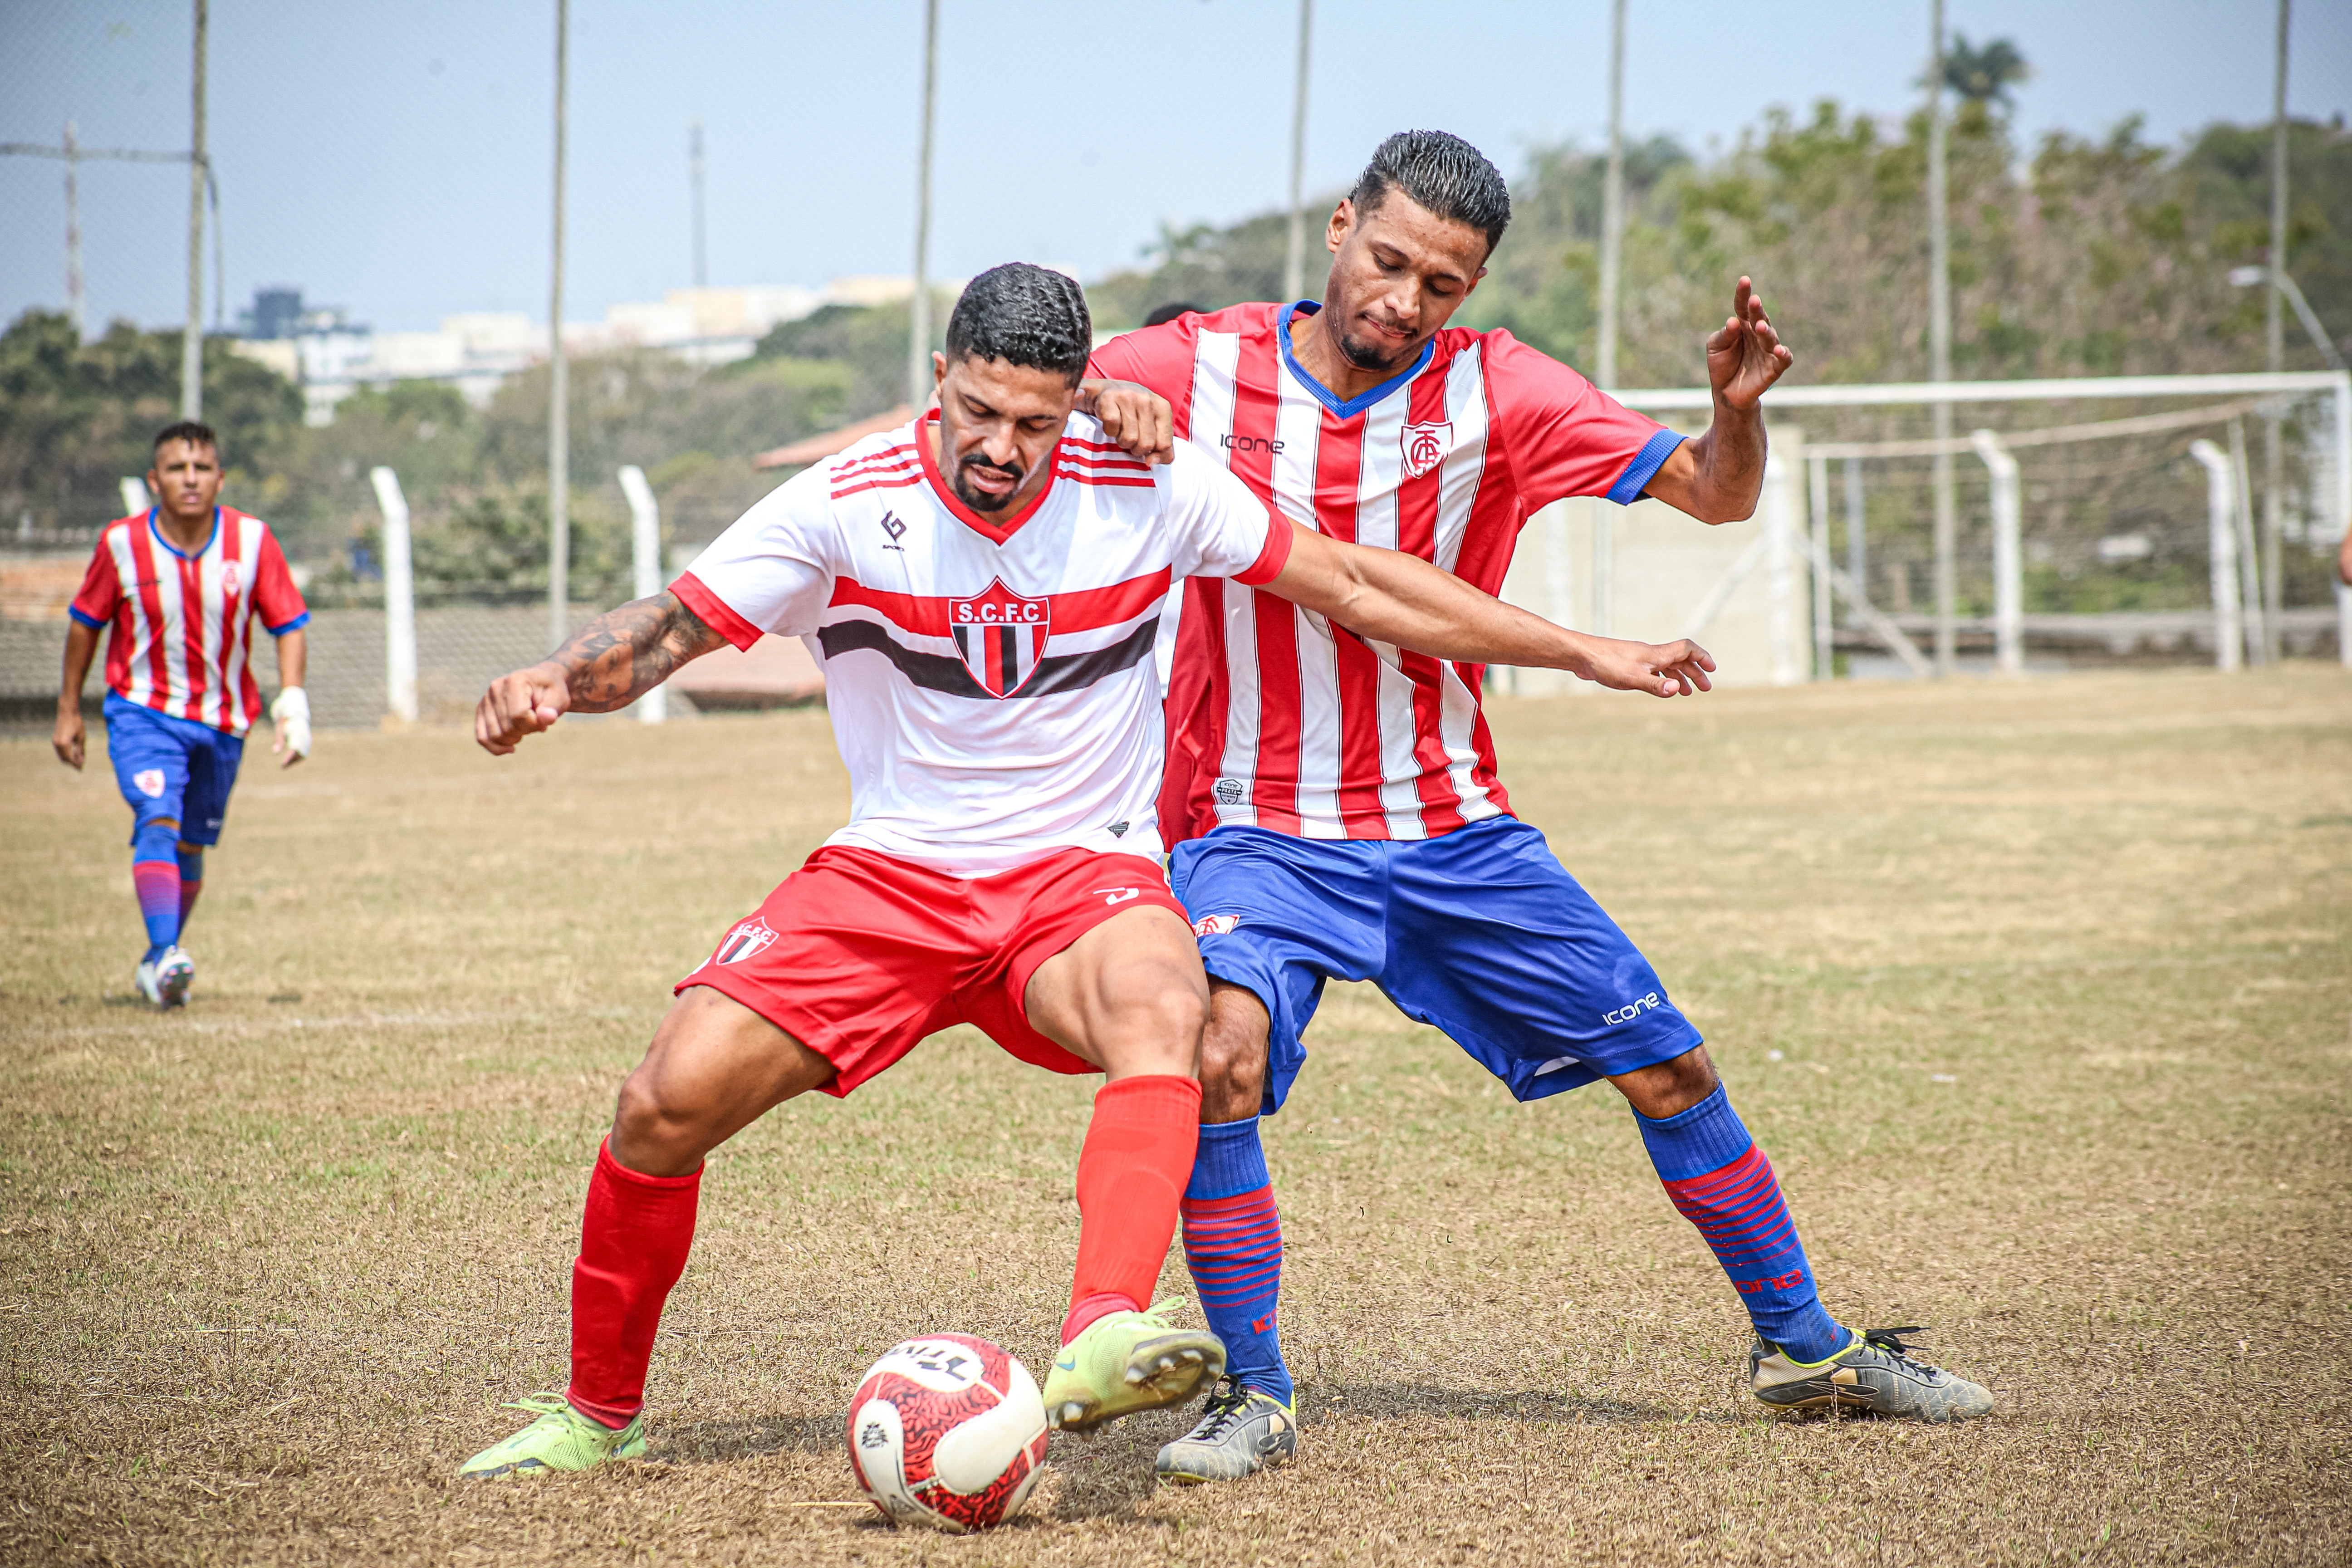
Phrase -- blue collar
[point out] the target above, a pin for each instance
(1323, 394)
(155, 528)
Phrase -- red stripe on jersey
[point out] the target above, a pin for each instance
(714, 611)
(1417, 500)
(1101, 451)
(906, 480)
(192, 632)
(1339, 483)
(889, 457)
(1104, 476)
(1078, 610)
(1274, 769)
(144, 557)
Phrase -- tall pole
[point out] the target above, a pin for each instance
(919, 325)
(2275, 343)
(1940, 346)
(1612, 250)
(1613, 202)
(76, 311)
(694, 164)
(1294, 261)
(558, 379)
(192, 341)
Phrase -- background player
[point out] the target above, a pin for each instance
(1355, 824)
(181, 584)
(983, 588)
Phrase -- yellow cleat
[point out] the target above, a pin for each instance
(1127, 1361)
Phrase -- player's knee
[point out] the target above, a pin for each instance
(653, 1126)
(1234, 1056)
(1671, 1087)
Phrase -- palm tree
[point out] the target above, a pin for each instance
(1984, 75)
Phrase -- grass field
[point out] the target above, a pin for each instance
(2037, 994)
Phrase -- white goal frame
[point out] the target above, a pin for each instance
(1780, 519)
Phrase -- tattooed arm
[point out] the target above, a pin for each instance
(612, 661)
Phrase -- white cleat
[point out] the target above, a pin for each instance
(165, 982)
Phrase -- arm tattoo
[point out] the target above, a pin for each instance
(624, 653)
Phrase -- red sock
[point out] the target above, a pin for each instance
(1131, 1172)
(633, 1244)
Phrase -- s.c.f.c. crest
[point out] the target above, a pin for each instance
(748, 938)
(230, 579)
(1425, 447)
(1000, 636)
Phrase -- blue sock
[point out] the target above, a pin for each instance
(155, 878)
(1722, 1183)
(191, 882)
(1233, 1244)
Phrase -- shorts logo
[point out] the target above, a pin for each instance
(1000, 637)
(751, 937)
(1230, 792)
(1118, 896)
(1215, 925)
(1633, 1010)
(1425, 447)
(230, 577)
(149, 781)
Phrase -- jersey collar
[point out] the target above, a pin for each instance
(1324, 395)
(995, 532)
(156, 529)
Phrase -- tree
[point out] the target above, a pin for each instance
(1984, 75)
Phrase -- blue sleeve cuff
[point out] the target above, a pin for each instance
(296, 624)
(1644, 466)
(93, 622)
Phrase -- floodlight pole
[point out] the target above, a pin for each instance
(1940, 346)
(1604, 354)
(558, 379)
(694, 166)
(192, 340)
(1294, 262)
(919, 322)
(75, 310)
(2275, 343)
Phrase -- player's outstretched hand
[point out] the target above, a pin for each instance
(69, 738)
(519, 704)
(1747, 356)
(1678, 669)
(1137, 417)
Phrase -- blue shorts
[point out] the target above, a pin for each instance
(1479, 931)
(172, 769)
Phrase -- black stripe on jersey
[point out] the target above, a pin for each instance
(937, 672)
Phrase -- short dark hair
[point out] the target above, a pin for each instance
(1441, 172)
(194, 432)
(1024, 314)
(1164, 314)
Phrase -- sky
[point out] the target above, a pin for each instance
(395, 158)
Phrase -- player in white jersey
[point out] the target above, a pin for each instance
(982, 587)
(181, 585)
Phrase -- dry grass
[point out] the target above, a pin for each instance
(2038, 995)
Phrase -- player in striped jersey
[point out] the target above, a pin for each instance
(1338, 797)
(180, 584)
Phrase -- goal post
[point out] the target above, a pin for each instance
(2132, 476)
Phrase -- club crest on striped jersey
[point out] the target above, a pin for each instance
(1000, 636)
(1425, 447)
(745, 940)
(230, 579)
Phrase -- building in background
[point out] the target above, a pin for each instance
(331, 357)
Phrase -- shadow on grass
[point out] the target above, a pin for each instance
(1387, 1400)
(720, 1442)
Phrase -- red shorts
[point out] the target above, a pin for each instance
(858, 955)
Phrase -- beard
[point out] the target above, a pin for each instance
(1366, 357)
(979, 501)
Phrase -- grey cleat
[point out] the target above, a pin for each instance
(1241, 1433)
(1876, 1372)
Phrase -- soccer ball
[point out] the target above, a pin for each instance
(947, 1430)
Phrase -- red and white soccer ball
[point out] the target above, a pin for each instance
(947, 1430)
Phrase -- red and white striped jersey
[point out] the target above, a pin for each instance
(183, 638)
(991, 685)
(1274, 716)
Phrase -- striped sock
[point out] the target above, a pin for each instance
(155, 878)
(192, 882)
(1233, 1243)
(1722, 1182)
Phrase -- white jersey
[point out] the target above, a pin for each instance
(991, 686)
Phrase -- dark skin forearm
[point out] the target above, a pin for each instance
(68, 738)
(608, 664)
